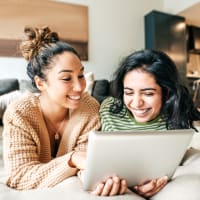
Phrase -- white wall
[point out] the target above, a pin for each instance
(176, 6)
(116, 27)
(13, 68)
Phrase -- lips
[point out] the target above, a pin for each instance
(74, 97)
(140, 112)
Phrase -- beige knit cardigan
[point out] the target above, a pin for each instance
(27, 153)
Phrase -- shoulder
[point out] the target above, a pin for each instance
(106, 104)
(27, 100)
(87, 114)
(112, 108)
(89, 103)
(24, 106)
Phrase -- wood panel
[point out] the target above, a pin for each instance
(10, 48)
(69, 20)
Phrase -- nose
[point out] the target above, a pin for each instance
(137, 101)
(77, 86)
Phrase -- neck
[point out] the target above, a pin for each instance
(55, 114)
(55, 125)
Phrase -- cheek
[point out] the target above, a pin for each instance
(127, 100)
(83, 83)
(157, 104)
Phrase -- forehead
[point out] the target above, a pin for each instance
(139, 78)
(67, 60)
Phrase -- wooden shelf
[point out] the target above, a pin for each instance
(192, 76)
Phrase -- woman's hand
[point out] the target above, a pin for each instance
(110, 187)
(78, 159)
(151, 187)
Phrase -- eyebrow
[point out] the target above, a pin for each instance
(145, 89)
(69, 70)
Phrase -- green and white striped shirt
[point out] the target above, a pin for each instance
(124, 120)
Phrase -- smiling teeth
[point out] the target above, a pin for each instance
(140, 111)
(75, 97)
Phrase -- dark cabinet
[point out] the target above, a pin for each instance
(167, 33)
(193, 42)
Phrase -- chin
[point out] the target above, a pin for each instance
(73, 106)
(142, 120)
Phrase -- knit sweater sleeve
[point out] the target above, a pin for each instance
(26, 168)
(91, 121)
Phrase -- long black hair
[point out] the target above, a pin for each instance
(178, 109)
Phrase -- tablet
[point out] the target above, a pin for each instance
(136, 156)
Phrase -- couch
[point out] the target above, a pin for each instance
(71, 188)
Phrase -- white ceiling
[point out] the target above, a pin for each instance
(192, 15)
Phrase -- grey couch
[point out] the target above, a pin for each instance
(72, 188)
(12, 88)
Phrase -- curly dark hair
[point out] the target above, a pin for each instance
(178, 109)
(39, 48)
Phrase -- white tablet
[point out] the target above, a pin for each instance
(135, 156)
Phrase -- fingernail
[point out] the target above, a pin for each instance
(101, 185)
(165, 177)
(135, 187)
(116, 179)
(123, 182)
(110, 182)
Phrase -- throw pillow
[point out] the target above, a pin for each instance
(89, 77)
(6, 99)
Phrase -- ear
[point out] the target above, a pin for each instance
(40, 83)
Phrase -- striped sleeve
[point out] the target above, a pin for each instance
(109, 121)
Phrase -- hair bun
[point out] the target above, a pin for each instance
(35, 39)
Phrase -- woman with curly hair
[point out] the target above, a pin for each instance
(45, 135)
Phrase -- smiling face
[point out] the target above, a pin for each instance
(65, 81)
(142, 95)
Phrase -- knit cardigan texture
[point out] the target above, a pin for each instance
(26, 144)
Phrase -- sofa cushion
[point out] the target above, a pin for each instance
(70, 189)
(101, 89)
(25, 85)
(8, 85)
(6, 99)
(185, 187)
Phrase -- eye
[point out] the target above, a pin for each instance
(67, 79)
(149, 94)
(128, 92)
(81, 76)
